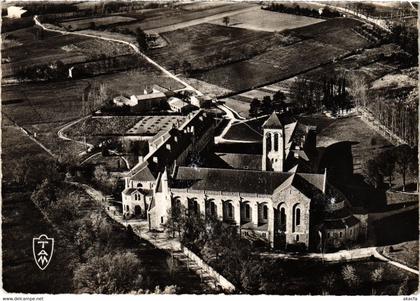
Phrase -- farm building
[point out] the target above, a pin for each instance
(277, 204)
(179, 106)
(200, 101)
(120, 101)
(15, 12)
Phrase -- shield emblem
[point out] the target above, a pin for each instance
(43, 248)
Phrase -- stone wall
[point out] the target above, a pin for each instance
(399, 197)
(223, 282)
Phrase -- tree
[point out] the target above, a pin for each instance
(376, 276)
(175, 223)
(254, 107)
(226, 20)
(404, 157)
(44, 195)
(358, 89)
(350, 277)
(175, 65)
(109, 274)
(141, 38)
(278, 101)
(186, 67)
(372, 173)
(66, 209)
(386, 165)
(266, 105)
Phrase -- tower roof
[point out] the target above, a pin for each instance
(276, 121)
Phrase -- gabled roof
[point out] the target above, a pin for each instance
(272, 122)
(278, 121)
(143, 173)
(229, 180)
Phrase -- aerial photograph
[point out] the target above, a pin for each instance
(191, 147)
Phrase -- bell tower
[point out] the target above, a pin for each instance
(273, 144)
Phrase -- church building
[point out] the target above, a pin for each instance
(282, 203)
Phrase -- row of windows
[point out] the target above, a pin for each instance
(229, 210)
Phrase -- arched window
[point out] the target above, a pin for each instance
(297, 216)
(247, 211)
(268, 141)
(297, 238)
(265, 212)
(230, 210)
(212, 209)
(283, 219)
(276, 142)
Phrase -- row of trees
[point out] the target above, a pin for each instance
(398, 116)
(325, 12)
(307, 95)
(401, 159)
(267, 105)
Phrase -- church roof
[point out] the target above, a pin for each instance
(242, 161)
(229, 180)
(142, 173)
(278, 121)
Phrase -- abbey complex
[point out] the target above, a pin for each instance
(284, 202)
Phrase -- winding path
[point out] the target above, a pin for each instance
(134, 47)
(61, 135)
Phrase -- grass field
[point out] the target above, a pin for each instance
(321, 43)
(266, 20)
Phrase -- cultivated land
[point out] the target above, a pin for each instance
(207, 45)
(265, 20)
(53, 47)
(80, 24)
(319, 44)
(161, 20)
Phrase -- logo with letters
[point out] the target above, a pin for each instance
(43, 248)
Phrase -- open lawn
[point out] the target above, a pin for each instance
(406, 253)
(365, 142)
(320, 44)
(266, 20)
